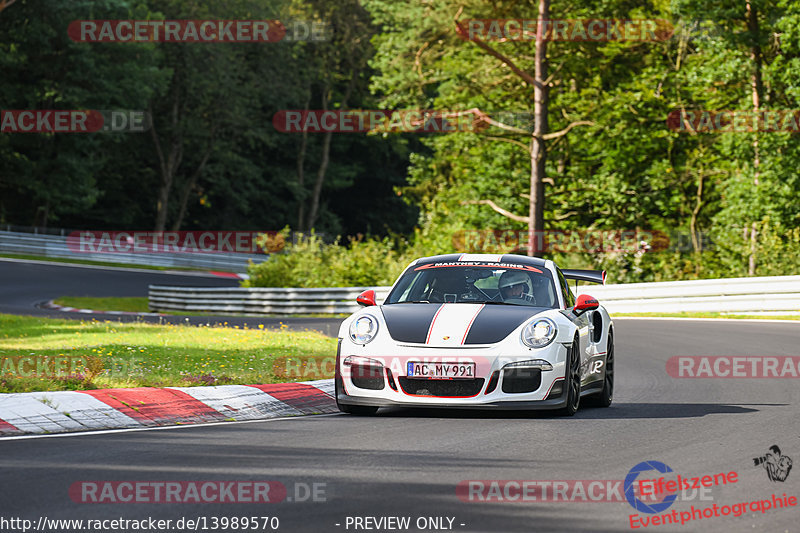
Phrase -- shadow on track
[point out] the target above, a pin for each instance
(618, 411)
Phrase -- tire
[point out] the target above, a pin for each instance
(606, 396)
(572, 381)
(359, 410)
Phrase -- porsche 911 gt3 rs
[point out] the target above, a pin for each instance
(478, 331)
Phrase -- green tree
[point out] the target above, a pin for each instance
(46, 177)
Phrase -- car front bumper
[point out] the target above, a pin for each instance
(492, 388)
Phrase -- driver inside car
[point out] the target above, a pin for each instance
(515, 287)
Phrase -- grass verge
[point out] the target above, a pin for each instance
(39, 354)
(135, 305)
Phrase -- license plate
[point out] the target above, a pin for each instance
(441, 370)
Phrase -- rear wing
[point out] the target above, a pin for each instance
(592, 276)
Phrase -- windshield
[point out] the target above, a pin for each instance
(463, 282)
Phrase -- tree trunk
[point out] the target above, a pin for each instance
(540, 128)
(301, 176)
(326, 150)
(190, 185)
(757, 88)
(751, 262)
(167, 166)
(42, 214)
(323, 166)
(168, 170)
(6, 3)
(697, 243)
(321, 171)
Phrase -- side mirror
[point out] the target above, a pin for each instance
(366, 298)
(585, 303)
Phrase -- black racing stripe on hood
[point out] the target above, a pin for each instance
(495, 322)
(409, 322)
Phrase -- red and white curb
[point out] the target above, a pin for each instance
(51, 305)
(66, 411)
(231, 275)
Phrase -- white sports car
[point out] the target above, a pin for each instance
(477, 331)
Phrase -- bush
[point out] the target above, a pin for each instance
(310, 262)
(360, 262)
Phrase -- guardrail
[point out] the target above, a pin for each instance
(764, 295)
(258, 301)
(767, 295)
(46, 245)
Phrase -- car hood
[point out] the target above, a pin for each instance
(454, 324)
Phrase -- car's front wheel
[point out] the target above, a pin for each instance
(572, 380)
(606, 396)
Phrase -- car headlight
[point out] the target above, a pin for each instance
(539, 333)
(539, 364)
(363, 329)
(357, 360)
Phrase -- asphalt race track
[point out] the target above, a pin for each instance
(409, 463)
(26, 285)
